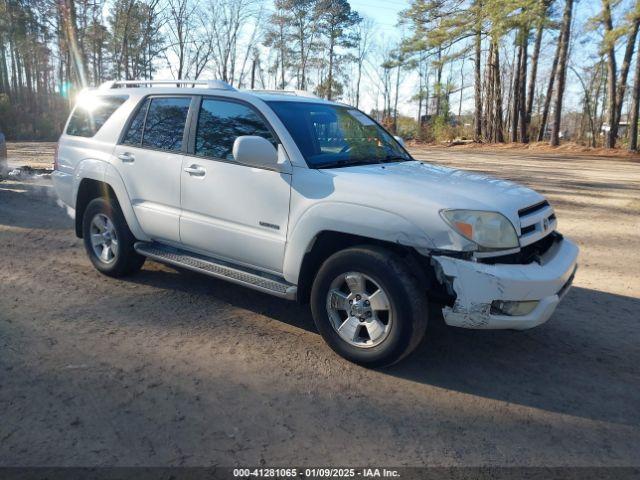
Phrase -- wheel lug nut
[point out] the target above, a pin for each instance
(358, 297)
(366, 302)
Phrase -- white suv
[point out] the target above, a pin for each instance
(310, 200)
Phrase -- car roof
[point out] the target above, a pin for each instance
(164, 87)
(272, 96)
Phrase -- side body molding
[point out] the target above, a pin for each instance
(347, 218)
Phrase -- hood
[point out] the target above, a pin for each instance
(418, 191)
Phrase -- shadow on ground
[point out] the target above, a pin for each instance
(551, 367)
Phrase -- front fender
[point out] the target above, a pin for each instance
(352, 219)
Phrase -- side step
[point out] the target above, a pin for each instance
(218, 268)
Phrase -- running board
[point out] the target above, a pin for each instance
(218, 269)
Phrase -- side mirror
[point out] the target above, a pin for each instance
(255, 151)
(400, 140)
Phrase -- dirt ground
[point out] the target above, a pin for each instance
(174, 368)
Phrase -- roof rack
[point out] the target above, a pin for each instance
(298, 93)
(211, 84)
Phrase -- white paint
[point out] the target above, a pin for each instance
(476, 285)
(268, 219)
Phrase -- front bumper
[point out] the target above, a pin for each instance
(477, 285)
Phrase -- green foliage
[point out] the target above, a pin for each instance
(407, 127)
(313, 31)
(326, 89)
(18, 123)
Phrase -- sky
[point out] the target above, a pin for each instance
(584, 50)
(385, 14)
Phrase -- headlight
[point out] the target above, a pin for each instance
(489, 230)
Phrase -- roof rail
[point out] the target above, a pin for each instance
(212, 84)
(299, 93)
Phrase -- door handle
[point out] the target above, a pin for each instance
(127, 157)
(195, 170)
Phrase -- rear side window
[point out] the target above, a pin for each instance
(165, 121)
(221, 122)
(91, 114)
(134, 134)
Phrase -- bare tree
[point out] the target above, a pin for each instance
(233, 28)
(364, 37)
(181, 28)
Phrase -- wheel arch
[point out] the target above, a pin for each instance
(103, 181)
(328, 242)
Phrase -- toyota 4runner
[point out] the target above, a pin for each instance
(306, 199)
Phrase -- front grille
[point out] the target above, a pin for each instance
(533, 209)
(536, 222)
(528, 254)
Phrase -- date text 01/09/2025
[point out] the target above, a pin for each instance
(315, 472)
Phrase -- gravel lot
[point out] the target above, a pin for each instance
(174, 368)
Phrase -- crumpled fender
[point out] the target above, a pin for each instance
(352, 219)
(476, 285)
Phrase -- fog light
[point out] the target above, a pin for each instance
(513, 309)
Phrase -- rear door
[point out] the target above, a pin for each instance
(230, 210)
(149, 158)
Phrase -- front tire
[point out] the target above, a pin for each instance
(369, 306)
(108, 240)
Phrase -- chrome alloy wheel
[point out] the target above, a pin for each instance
(103, 238)
(359, 310)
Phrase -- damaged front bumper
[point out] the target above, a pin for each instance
(477, 285)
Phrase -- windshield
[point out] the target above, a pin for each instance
(333, 136)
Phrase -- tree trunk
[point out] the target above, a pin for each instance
(612, 72)
(477, 133)
(438, 86)
(626, 64)
(499, 135)
(253, 74)
(487, 127)
(515, 105)
(358, 80)
(522, 103)
(549, 93)
(395, 102)
(330, 77)
(635, 107)
(534, 63)
(562, 72)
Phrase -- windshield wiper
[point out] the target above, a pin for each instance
(347, 163)
(395, 158)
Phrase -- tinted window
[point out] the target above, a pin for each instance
(91, 113)
(221, 122)
(332, 135)
(165, 122)
(134, 134)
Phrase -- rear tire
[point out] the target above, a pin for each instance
(369, 306)
(108, 240)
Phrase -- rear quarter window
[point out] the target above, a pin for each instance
(165, 122)
(134, 133)
(89, 116)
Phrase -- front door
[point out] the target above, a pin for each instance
(229, 210)
(149, 159)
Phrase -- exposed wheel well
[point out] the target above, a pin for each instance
(329, 242)
(87, 191)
